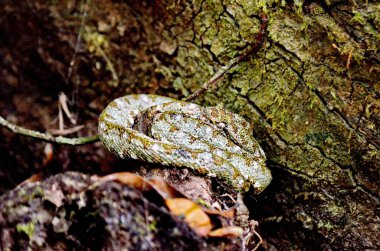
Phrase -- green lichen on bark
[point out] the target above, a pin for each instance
(26, 228)
(305, 91)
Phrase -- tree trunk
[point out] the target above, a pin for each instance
(312, 92)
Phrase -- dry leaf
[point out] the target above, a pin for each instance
(192, 213)
(165, 189)
(230, 231)
(230, 213)
(129, 179)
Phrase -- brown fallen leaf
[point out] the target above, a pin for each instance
(192, 213)
(165, 189)
(230, 213)
(229, 231)
(129, 179)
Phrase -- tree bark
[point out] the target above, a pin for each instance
(312, 93)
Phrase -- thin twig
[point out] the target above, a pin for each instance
(109, 63)
(76, 48)
(75, 93)
(62, 102)
(225, 69)
(46, 137)
(66, 131)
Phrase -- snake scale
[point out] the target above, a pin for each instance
(209, 140)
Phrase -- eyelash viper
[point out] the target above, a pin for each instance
(209, 140)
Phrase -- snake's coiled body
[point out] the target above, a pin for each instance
(208, 140)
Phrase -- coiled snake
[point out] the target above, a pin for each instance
(209, 140)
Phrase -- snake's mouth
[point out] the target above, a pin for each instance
(262, 181)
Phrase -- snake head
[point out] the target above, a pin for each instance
(239, 131)
(234, 126)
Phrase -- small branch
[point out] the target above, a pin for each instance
(233, 62)
(67, 131)
(213, 80)
(109, 64)
(46, 137)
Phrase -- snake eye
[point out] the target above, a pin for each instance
(176, 117)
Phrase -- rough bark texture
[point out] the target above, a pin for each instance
(313, 92)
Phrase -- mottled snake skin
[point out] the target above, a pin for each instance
(209, 140)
